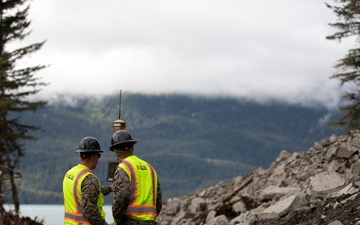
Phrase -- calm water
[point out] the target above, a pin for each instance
(51, 214)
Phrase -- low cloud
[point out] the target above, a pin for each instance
(256, 49)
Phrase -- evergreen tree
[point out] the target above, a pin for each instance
(348, 25)
(16, 84)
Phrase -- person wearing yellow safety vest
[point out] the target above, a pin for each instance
(83, 195)
(137, 196)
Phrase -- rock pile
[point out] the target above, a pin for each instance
(319, 186)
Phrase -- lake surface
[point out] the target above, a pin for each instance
(51, 214)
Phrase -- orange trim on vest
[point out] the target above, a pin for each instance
(144, 209)
(76, 217)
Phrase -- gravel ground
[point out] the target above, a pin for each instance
(323, 213)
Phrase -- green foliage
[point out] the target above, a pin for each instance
(348, 25)
(192, 142)
(16, 85)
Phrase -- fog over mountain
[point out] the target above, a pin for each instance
(206, 140)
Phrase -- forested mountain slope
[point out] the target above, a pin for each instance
(192, 141)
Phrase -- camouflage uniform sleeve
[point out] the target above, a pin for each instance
(158, 199)
(121, 191)
(90, 190)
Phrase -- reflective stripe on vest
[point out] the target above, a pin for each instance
(72, 196)
(142, 204)
(75, 219)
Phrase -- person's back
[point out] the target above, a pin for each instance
(83, 199)
(137, 192)
(71, 191)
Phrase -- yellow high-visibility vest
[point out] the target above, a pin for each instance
(143, 181)
(73, 194)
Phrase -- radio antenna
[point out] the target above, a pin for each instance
(120, 105)
(119, 124)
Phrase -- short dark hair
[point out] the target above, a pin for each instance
(87, 155)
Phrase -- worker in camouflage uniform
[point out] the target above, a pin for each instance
(137, 194)
(83, 195)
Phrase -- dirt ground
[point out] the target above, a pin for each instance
(322, 213)
(7, 218)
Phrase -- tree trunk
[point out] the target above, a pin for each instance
(15, 195)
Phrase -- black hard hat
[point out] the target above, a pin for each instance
(121, 138)
(89, 144)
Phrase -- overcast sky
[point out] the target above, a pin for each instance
(259, 49)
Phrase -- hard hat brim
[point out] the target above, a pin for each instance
(89, 150)
(121, 144)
